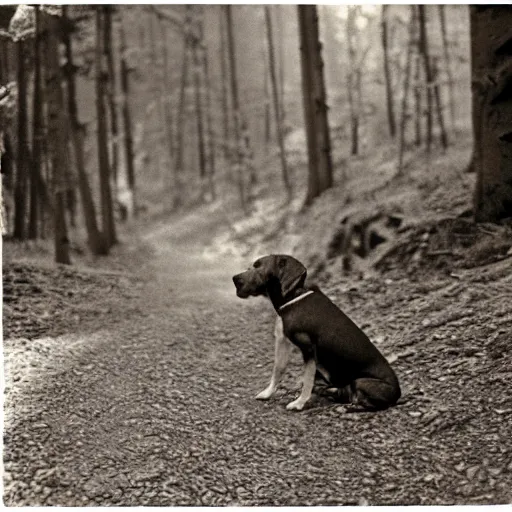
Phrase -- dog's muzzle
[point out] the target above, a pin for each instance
(239, 285)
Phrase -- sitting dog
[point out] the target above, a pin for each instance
(332, 346)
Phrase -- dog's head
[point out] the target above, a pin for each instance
(290, 273)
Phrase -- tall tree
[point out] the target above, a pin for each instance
(107, 210)
(112, 93)
(280, 39)
(57, 139)
(165, 96)
(491, 77)
(236, 104)
(405, 89)
(37, 130)
(224, 81)
(353, 78)
(277, 109)
(315, 104)
(387, 70)
(181, 121)
(433, 94)
(199, 103)
(127, 120)
(447, 62)
(20, 189)
(96, 242)
(209, 121)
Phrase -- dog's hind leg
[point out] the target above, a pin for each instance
(374, 394)
(283, 348)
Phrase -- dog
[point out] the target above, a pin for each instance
(332, 345)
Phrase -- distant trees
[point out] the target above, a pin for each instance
(104, 168)
(277, 104)
(491, 51)
(315, 104)
(47, 90)
(390, 104)
(57, 140)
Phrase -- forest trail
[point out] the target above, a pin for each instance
(158, 408)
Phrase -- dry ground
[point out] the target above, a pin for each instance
(133, 382)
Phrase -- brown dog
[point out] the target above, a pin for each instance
(331, 344)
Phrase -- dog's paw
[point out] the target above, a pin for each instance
(265, 394)
(296, 405)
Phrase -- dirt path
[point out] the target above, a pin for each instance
(160, 409)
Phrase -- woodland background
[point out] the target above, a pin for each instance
(155, 151)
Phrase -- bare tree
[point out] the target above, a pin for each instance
(198, 89)
(447, 62)
(20, 189)
(95, 240)
(266, 95)
(181, 121)
(112, 93)
(491, 40)
(209, 122)
(107, 211)
(224, 80)
(236, 104)
(433, 94)
(165, 97)
(127, 120)
(405, 90)
(277, 109)
(37, 130)
(57, 138)
(280, 39)
(315, 104)
(417, 99)
(387, 70)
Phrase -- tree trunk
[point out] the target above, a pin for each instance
(37, 131)
(57, 138)
(127, 120)
(447, 63)
(405, 93)
(387, 71)
(224, 81)
(491, 43)
(417, 100)
(20, 190)
(181, 121)
(107, 211)
(277, 110)
(432, 92)
(280, 39)
(315, 105)
(236, 106)
(198, 85)
(112, 94)
(266, 94)
(354, 114)
(165, 96)
(209, 123)
(95, 241)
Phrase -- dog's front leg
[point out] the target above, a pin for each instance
(283, 348)
(307, 386)
(309, 353)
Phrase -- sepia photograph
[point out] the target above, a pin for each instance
(256, 255)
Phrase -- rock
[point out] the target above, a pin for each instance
(471, 472)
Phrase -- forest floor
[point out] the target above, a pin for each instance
(131, 380)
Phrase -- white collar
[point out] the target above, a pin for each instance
(300, 297)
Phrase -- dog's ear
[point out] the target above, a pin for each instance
(291, 273)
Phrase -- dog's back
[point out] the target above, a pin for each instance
(342, 348)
